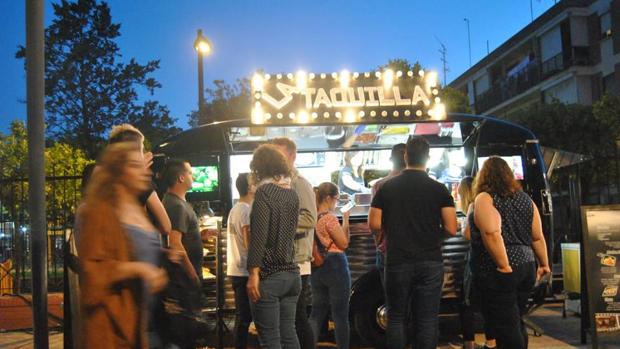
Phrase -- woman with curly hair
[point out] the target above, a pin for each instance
(117, 276)
(274, 282)
(507, 241)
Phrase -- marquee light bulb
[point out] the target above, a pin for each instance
(356, 75)
(431, 79)
(279, 76)
(349, 116)
(257, 114)
(303, 117)
(267, 76)
(421, 72)
(399, 74)
(334, 75)
(258, 83)
(345, 77)
(289, 76)
(311, 76)
(410, 74)
(301, 79)
(388, 78)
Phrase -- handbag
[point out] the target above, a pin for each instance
(181, 304)
(318, 250)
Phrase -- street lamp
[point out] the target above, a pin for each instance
(203, 47)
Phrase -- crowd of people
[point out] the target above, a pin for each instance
(141, 258)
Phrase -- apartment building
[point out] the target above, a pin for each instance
(570, 53)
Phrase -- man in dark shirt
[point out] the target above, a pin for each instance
(185, 233)
(416, 213)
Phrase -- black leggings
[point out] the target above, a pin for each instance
(504, 301)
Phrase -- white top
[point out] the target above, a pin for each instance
(305, 268)
(236, 251)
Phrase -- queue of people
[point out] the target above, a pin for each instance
(140, 293)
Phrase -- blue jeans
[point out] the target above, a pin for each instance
(331, 285)
(274, 313)
(416, 286)
(243, 315)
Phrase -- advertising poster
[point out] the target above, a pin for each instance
(601, 229)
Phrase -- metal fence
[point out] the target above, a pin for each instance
(62, 197)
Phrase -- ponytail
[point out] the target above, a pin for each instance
(324, 191)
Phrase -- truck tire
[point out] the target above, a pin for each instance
(367, 301)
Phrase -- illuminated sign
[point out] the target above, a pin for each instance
(345, 97)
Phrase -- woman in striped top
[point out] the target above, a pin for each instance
(274, 282)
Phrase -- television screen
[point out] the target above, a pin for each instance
(514, 162)
(206, 179)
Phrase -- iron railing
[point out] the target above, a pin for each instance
(62, 197)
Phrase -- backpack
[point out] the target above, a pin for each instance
(318, 250)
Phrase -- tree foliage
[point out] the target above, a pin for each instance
(61, 161)
(224, 102)
(455, 100)
(88, 89)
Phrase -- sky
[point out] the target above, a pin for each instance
(278, 36)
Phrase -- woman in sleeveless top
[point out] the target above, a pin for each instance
(507, 241)
(331, 282)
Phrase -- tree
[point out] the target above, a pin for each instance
(61, 160)
(455, 100)
(607, 111)
(224, 102)
(87, 89)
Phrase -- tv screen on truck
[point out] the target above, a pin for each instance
(206, 179)
(514, 162)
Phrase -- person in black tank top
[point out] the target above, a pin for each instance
(507, 241)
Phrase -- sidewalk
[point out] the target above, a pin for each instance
(560, 333)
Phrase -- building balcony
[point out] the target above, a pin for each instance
(530, 76)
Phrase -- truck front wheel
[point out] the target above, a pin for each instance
(368, 309)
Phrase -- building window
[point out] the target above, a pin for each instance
(606, 25)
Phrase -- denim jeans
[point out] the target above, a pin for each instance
(380, 264)
(302, 324)
(504, 302)
(274, 313)
(243, 315)
(416, 286)
(331, 285)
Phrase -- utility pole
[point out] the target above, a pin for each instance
(35, 92)
(531, 11)
(468, 39)
(443, 51)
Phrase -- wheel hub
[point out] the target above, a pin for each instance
(381, 316)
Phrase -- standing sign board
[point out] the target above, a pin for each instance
(601, 229)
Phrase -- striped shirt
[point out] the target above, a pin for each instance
(273, 222)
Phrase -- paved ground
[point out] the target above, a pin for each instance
(559, 333)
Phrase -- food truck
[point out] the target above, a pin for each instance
(335, 118)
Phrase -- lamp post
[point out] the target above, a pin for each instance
(203, 48)
(468, 39)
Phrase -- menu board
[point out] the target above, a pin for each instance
(601, 229)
